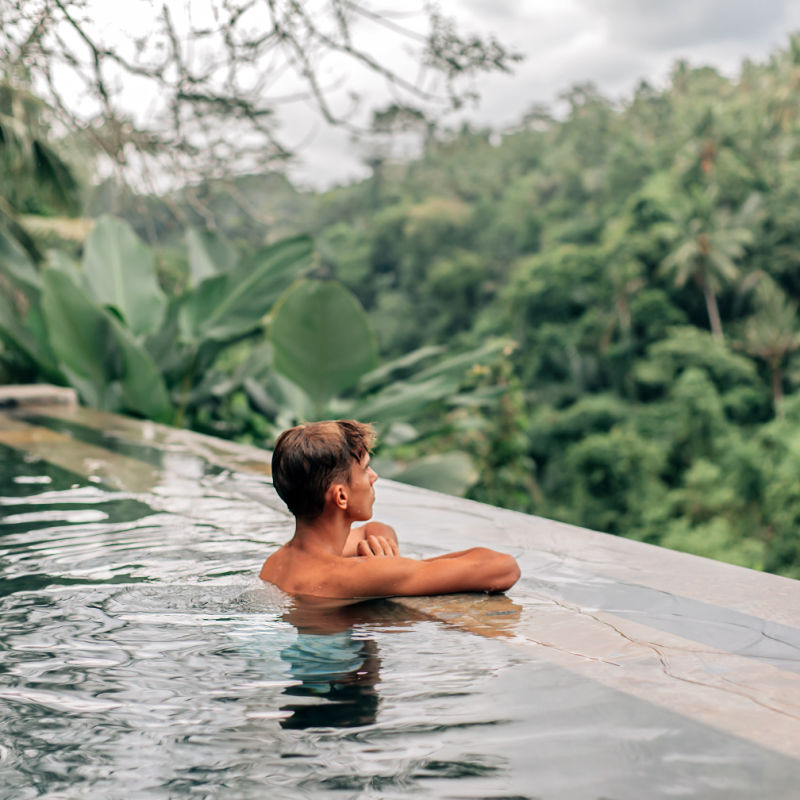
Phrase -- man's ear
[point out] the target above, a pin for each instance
(337, 493)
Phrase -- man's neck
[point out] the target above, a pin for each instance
(327, 532)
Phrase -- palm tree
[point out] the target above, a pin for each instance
(708, 242)
(772, 334)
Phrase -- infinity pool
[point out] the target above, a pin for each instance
(140, 657)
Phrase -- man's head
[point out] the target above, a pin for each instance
(308, 459)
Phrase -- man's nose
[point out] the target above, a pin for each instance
(373, 476)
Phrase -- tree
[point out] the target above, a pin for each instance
(772, 334)
(708, 242)
(214, 72)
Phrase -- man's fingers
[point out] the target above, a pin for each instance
(362, 549)
(377, 546)
(388, 547)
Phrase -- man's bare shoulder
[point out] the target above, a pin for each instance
(313, 573)
(363, 533)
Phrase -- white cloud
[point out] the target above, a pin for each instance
(692, 23)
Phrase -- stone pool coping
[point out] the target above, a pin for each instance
(711, 641)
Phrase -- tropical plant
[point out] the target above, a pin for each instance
(106, 327)
(321, 360)
(34, 176)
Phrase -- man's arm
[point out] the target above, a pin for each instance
(476, 570)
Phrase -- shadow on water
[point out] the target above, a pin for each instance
(336, 667)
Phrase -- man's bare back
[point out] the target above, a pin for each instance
(328, 558)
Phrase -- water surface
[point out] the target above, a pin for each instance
(141, 657)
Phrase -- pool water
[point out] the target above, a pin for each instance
(141, 657)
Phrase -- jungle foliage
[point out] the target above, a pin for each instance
(643, 256)
(596, 311)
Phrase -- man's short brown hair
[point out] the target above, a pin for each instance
(308, 458)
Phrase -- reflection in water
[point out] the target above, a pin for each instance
(337, 676)
(337, 667)
(336, 670)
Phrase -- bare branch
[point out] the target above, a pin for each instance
(214, 74)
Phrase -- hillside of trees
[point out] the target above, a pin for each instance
(596, 311)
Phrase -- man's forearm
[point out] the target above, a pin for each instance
(449, 555)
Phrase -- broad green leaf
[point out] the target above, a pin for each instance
(459, 365)
(260, 398)
(279, 398)
(209, 255)
(164, 347)
(403, 400)
(405, 362)
(143, 389)
(199, 316)
(27, 338)
(55, 174)
(17, 266)
(80, 336)
(486, 396)
(120, 271)
(451, 473)
(228, 306)
(322, 339)
(98, 355)
(60, 260)
(399, 433)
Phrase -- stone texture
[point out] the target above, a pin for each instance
(37, 394)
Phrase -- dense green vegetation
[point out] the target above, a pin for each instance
(616, 289)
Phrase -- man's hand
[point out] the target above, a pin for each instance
(372, 545)
(358, 540)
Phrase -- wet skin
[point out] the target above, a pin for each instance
(328, 558)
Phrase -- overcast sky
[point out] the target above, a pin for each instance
(614, 43)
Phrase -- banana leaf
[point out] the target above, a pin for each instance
(98, 354)
(405, 362)
(24, 338)
(225, 307)
(322, 339)
(404, 399)
(459, 365)
(209, 255)
(451, 473)
(17, 266)
(119, 270)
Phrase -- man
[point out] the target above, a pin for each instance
(322, 472)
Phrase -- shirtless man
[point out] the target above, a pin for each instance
(321, 471)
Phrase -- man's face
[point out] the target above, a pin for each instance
(361, 491)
